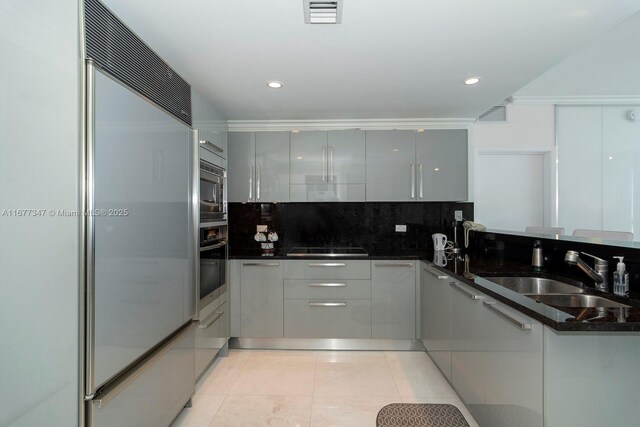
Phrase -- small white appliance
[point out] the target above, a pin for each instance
(439, 241)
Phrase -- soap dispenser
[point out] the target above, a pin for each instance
(621, 279)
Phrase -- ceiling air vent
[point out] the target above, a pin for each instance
(495, 114)
(322, 12)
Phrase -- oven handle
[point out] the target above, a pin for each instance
(216, 246)
(213, 205)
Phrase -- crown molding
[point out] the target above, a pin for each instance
(578, 100)
(363, 124)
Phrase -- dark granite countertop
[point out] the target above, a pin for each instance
(477, 271)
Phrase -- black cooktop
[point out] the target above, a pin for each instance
(327, 251)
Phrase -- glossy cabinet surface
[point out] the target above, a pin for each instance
(272, 167)
(435, 308)
(328, 166)
(241, 151)
(327, 318)
(261, 299)
(327, 269)
(391, 163)
(258, 167)
(497, 360)
(212, 333)
(441, 165)
(393, 299)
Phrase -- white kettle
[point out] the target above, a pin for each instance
(439, 241)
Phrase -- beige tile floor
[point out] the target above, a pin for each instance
(313, 388)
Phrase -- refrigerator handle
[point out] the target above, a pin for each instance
(88, 231)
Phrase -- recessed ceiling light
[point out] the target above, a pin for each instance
(436, 169)
(420, 130)
(300, 157)
(395, 150)
(295, 131)
(472, 81)
(274, 84)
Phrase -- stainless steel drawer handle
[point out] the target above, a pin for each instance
(210, 319)
(328, 264)
(436, 274)
(216, 246)
(394, 264)
(261, 264)
(465, 291)
(519, 323)
(327, 285)
(327, 304)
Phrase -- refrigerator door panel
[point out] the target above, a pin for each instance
(143, 261)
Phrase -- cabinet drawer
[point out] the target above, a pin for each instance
(327, 269)
(331, 289)
(324, 318)
(154, 393)
(210, 338)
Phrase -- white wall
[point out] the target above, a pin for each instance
(39, 163)
(528, 128)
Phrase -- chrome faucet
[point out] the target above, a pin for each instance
(599, 274)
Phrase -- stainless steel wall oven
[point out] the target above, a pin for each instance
(213, 203)
(213, 257)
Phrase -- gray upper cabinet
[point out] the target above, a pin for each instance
(391, 163)
(404, 165)
(258, 167)
(242, 160)
(442, 165)
(328, 166)
(393, 300)
(272, 167)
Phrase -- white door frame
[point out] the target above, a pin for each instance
(550, 184)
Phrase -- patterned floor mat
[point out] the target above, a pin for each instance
(420, 415)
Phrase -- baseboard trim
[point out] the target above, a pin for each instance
(325, 344)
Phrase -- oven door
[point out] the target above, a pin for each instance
(213, 271)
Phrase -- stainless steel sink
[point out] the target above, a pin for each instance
(575, 300)
(535, 285)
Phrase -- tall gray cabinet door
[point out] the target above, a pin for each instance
(393, 300)
(346, 156)
(391, 163)
(309, 157)
(272, 167)
(442, 171)
(261, 299)
(435, 307)
(241, 151)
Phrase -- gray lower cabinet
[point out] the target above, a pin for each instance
(496, 360)
(261, 299)
(327, 318)
(212, 334)
(393, 299)
(441, 162)
(258, 167)
(435, 308)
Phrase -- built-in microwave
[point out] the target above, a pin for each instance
(213, 259)
(213, 203)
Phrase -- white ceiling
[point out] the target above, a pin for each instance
(609, 66)
(388, 59)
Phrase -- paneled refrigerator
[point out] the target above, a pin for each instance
(140, 231)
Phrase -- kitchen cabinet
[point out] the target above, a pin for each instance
(211, 335)
(441, 158)
(404, 165)
(393, 299)
(435, 318)
(496, 360)
(391, 174)
(327, 299)
(327, 166)
(258, 167)
(261, 299)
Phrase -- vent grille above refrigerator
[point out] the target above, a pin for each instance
(322, 12)
(118, 51)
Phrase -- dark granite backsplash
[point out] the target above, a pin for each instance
(520, 248)
(367, 224)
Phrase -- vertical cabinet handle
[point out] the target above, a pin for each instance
(331, 177)
(324, 164)
(257, 182)
(421, 179)
(413, 181)
(250, 183)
